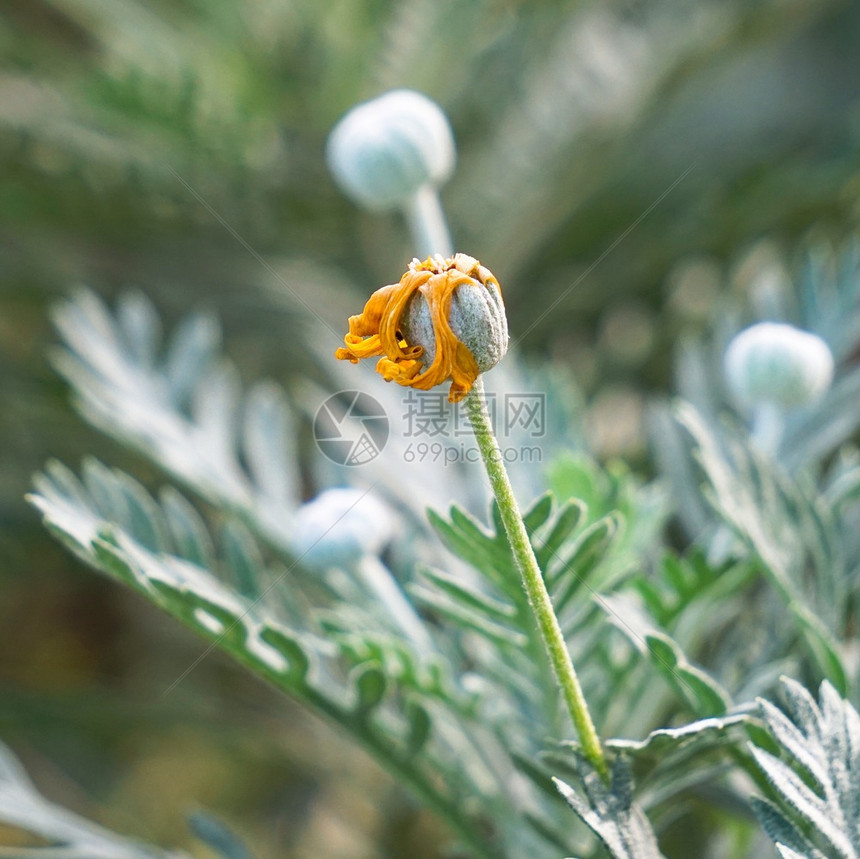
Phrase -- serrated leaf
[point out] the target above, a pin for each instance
(187, 529)
(577, 563)
(479, 551)
(267, 426)
(420, 726)
(370, 687)
(298, 661)
(503, 634)
(145, 519)
(610, 812)
(703, 692)
(191, 352)
(469, 597)
(215, 410)
(538, 512)
(567, 519)
(781, 831)
(699, 735)
(104, 491)
(243, 560)
(780, 525)
(140, 326)
(818, 814)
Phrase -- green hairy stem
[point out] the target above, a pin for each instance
(533, 580)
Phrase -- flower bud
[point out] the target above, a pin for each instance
(445, 320)
(382, 151)
(340, 526)
(476, 316)
(779, 364)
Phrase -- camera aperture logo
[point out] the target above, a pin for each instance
(351, 428)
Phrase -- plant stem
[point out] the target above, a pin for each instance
(533, 581)
(427, 223)
(767, 428)
(385, 589)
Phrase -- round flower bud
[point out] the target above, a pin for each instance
(384, 150)
(476, 316)
(444, 321)
(340, 526)
(776, 363)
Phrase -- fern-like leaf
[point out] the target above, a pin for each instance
(816, 786)
(611, 813)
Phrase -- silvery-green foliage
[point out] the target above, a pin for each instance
(348, 642)
(328, 642)
(610, 812)
(586, 543)
(822, 297)
(181, 404)
(791, 509)
(501, 638)
(345, 660)
(67, 835)
(668, 762)
(813, 811)
(175, 398)
(780, 521)
(480, 727)
(674, 616)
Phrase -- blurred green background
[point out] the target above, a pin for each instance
(630, 156)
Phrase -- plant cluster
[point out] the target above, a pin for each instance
(685, 599)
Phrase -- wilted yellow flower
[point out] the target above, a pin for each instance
(444, 320)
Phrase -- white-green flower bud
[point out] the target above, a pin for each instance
(384, 150)
(339, 527)
(778, 364)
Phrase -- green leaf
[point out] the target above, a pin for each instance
(344, 676)
(567, 519)
(370, 687)
(420, 726)
(470, 598)
(705, 695)
(187, 529)
(538, 512)
(244, 561)
(610, 812)
(577, 562)
(783, 833)
(504, 635)
(701, 735)
(817, 787)
(140, 326)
